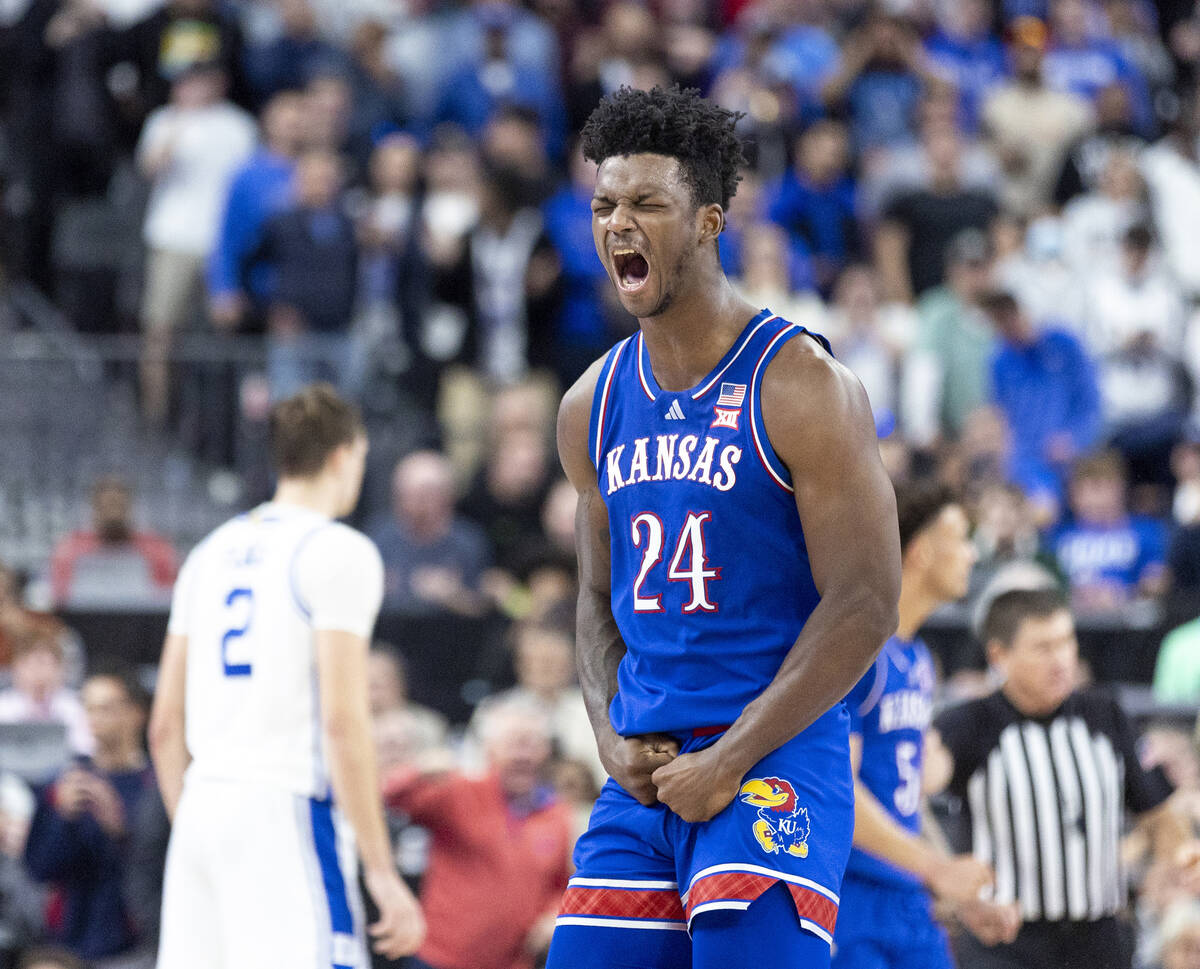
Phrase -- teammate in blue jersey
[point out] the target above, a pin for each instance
(887, 919)
(739, 571)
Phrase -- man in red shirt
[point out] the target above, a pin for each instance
(499, 860)
(112, 533)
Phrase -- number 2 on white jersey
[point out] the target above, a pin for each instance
(690, 545)
(236, 632)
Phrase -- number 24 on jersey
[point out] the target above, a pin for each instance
(649, 535)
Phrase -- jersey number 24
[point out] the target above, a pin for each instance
(650, 536)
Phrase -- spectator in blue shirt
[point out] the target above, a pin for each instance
(966, 53)
(473, 92)
(261, 189)
(879, 81)
(1045, 384)
(815, 202)
(290, 60)
(1108, 556)
(81, 830)
(801, 54)
(1085, 64)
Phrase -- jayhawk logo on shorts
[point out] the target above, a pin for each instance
(782, 824)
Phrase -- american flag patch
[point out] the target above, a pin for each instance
(732, 395)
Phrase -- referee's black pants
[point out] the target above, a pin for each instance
(1103, 944)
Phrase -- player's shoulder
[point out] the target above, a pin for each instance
(805, 387)
(339, 540)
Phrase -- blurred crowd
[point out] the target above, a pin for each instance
(989, 206)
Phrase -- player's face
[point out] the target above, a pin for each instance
(952, 553)
(646, 229)
(1041, 667)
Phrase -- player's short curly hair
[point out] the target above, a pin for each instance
(676, 122)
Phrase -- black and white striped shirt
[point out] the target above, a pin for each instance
(1046, 796)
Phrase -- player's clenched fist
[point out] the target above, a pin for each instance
(631, 761)
(697, 786)
(401, 926)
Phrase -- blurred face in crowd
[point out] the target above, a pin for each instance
(944, 555)
(327, 103)
(396, 164)
(517, 745)
(114, 719)
(1098, 498)
(386, 688)
(965, 18)
(518, 465)
(396, 736)
(423, 493)
(944, 149)
(1001, 517)
(112, 513)
(824, 151)
(558, 515)
(1027, 48)
(766, 257)
(318, 180)
(516, 143)
(1013, 325)
(38, 672)
(856, 294)
(283, 123)
(1070, 21)
(297, 17)
(198, 88)
(968, 278)
(1041, 665)
(630, 30)
(545, 661)
(1183, 951)
(645, 224)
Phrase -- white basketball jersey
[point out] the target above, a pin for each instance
(248, 600)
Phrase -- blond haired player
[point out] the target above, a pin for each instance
(261, 726)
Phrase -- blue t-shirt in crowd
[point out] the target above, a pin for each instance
(568, 225)
(819, 219)
(1120, 554)
(973, 66)
(1089, 68)
(883, 107)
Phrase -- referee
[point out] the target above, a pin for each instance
(1046, 775)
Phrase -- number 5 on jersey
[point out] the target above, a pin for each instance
(648, 531)
(239, 603)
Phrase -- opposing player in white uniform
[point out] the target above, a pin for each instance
(261, 724)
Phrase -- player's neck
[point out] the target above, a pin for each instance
(319, 494)
(687, 340)
(915, 606)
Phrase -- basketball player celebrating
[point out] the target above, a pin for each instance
(739, 571)
(261, 714)
(887, 920)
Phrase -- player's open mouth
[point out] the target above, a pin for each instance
(631, 268)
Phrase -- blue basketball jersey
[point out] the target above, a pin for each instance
(890, 708)
(711, 582)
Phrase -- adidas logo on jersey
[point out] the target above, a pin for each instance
(674, 412)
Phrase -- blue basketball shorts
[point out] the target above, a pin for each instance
(647, 874)
(888, 926)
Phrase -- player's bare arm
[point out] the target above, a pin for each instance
(954, 879)
(599, 648)
(346, 719)
(819, 422)
(168, 744)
